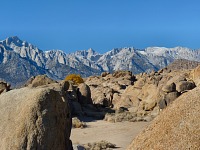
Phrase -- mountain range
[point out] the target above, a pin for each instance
(19, 60)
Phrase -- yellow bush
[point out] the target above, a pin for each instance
(77, 79)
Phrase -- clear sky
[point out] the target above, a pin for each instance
(72, 25)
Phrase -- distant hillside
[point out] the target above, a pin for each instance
(19, 60)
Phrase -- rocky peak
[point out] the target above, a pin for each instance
(113, 51)
(15, 41)
(89, 54)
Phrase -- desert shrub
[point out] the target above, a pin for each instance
(102, 145)
(77, 79)
(76, 123)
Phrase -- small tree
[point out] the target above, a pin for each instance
(77, 79)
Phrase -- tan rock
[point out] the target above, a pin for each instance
(125, 82)
(94, 81)
(154, 79)
(124, 101)
(102, 95)
(141, 113)
(155, 111)
(129, 98)
(150, 104)
(197, 82)
(139, 83)
(116, 99)
(169, 87)
(118, 74)
(108, 77)
(129, 90)
(84, 94)
(133, 109)
(132, 92)
(177, 126)
(40, 80)
(195, 74)
(35, 118)
(149, 95)
(175, 79)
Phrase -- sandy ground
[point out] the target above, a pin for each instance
(121, 133)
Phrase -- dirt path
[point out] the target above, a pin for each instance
(121, 133)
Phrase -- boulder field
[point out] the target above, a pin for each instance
(39, 115)
(142, 96)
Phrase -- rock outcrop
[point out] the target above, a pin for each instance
(104, 88)
(144, 95)
(177, 127)
(35, 118)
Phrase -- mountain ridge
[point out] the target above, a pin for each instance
(57, 64)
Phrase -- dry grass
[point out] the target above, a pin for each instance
(76, 123)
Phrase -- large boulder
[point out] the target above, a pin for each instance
(35, 118)
(39, 80)
(102, 95)
(169, 87)
(84, 94)
(169, 97)
(175, 79)
(177, 126)
(149, 95)
(183, 86)
(125, 82)
(122, 101)
(139, 83)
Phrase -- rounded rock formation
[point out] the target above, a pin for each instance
(177, 126)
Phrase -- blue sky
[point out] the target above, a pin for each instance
(72, 25)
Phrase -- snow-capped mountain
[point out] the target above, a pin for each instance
(160, 56)
(19, 60)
